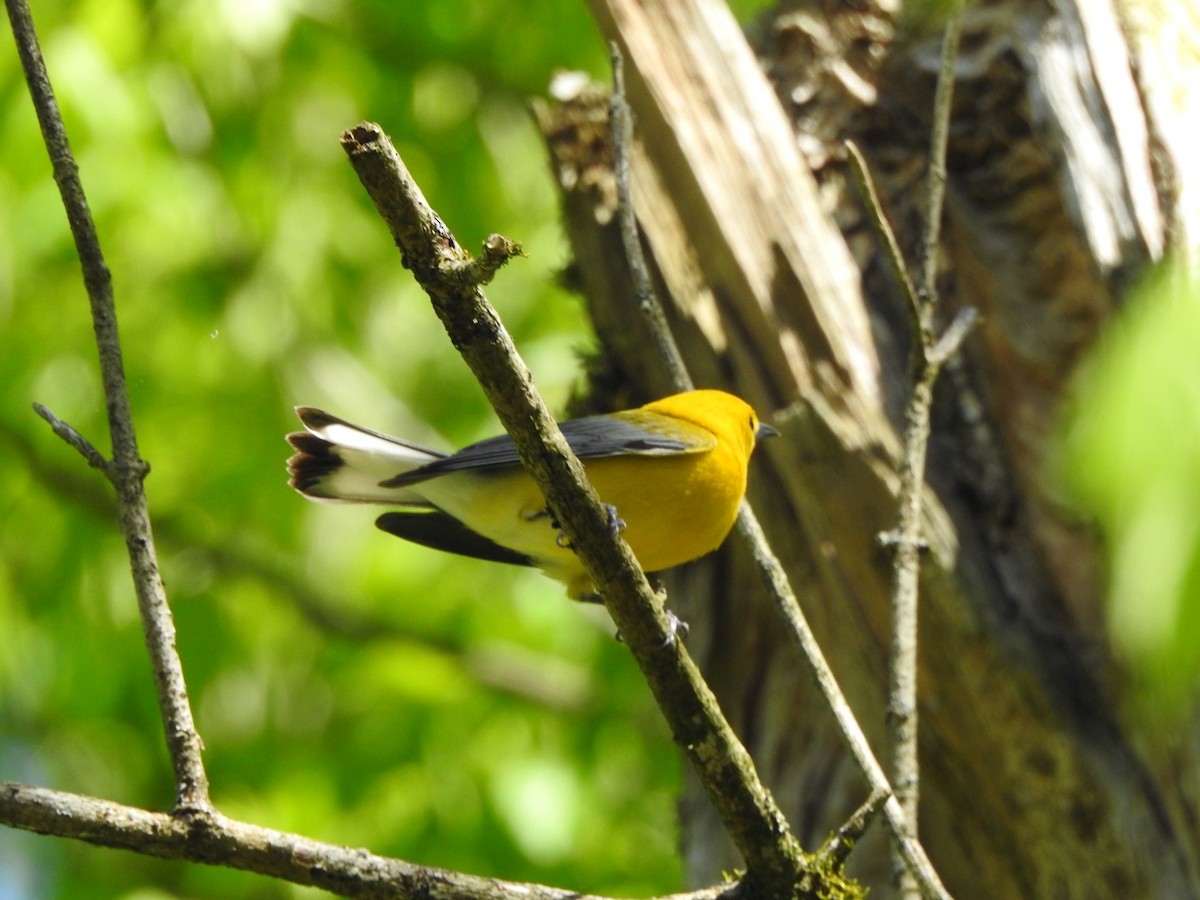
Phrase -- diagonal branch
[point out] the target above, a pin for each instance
(86, 449)
(772, 854)
(127, 469)
(621, 122)
(774, 578)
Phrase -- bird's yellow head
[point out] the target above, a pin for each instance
(730, 418)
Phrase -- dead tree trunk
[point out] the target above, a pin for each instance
(1060, 192)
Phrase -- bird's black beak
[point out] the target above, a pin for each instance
(765, 431)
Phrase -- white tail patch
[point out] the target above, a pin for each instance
(347, 463)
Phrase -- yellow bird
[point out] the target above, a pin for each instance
(673, 471)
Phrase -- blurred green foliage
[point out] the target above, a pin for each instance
(348, 686)
(1131, 457)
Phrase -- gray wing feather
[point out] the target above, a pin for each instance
(591, 437)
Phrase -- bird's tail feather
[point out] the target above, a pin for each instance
(339, 461)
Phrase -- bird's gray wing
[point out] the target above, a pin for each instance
(590, 437)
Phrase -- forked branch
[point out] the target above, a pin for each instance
(126, 469)
(928, 353)
(775, 579)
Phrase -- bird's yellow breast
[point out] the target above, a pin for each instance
(675, 508)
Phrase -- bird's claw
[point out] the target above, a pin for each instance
(615, 526)
(677, 630)
(615, 523)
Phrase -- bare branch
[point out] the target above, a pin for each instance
(771, 570)
(936, 184)
(127, 468)
(86, 448)
(218, 840)
(621, 122)
(947, 345)
(771, 852)
(839, 845)
(927, 354)
(883, 230)
(784, 598)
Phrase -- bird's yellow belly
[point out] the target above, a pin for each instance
(675, 509)
(679, 510)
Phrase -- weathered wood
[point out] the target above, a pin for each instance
(1033, 786)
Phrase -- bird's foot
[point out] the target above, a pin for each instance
(615, 523)
(677, 630)
(615, 526)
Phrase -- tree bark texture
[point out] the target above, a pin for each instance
(1062, 188)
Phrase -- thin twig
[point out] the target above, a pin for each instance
(938, 139)
(883, 230)
(127, 469)
(772, 855)
(86, 449)
(947, 345)
(497, 251)
(798, 629)
(771, 570)
(621, 123)
(927, 354)
(902, 668)
(839, 845)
